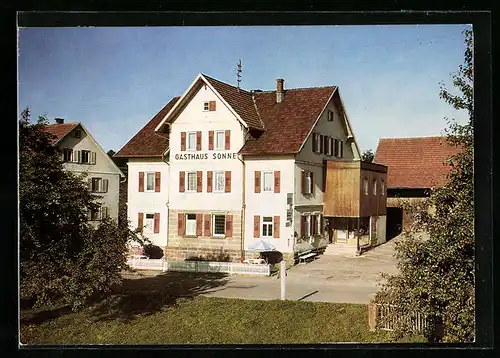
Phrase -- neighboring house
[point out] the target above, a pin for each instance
(82, 154)
(220, 167)
(416, 166)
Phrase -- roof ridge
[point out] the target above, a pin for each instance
(59, 124)
(295, 89)
(405, 138)
(257, 110)
(225, 83)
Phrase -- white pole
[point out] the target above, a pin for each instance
(283, 279)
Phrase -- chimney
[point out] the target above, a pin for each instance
(280, 94)
(60, 120)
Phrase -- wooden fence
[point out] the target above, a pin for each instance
(378, 318)
(200, 266)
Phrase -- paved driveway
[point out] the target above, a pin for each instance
(335, 278)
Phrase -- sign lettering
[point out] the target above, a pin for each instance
(205, 156)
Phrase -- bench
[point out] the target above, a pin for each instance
(306, 255)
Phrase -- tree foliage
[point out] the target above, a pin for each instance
(63, 257)
(436, 275)
(367, 156)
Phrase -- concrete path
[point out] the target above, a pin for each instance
(335, 278)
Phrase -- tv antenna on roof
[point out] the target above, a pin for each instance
(238, 71)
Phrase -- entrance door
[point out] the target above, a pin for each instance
(342, 236)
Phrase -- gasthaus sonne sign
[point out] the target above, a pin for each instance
(205, 156)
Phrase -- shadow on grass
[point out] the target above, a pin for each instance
(137, 296)
(148, 295)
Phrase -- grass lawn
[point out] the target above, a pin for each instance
(132, 316)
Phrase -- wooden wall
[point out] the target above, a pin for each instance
(344, 189)
(341, 198)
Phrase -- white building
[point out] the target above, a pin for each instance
(236, 167)
(82, 154)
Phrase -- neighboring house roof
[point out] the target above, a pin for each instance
(60, 130)
(415, 162)
(287, 123)
(147, 142)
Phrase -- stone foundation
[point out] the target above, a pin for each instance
(206, 247)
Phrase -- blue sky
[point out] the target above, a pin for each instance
(114, 80)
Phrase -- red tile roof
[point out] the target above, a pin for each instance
(147, 142)
(415, 162)
(59, 130)
(287, 123)
(278, 128)
(241, 101)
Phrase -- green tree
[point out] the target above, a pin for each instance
(436, 275)
(63, 258)
(367, 156)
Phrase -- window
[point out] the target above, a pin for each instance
(99, 185)
(191, 141)
(308, 182)
(77, 133)
(191, 224)
(191, 181)
(68, 155)
(382, 188)
(220, 137)
(149, 222)
(220, 181)
(205, 106)
(374, 186)
(365, 184)
(330, 116)
(219, 225)
(318, 224)
(267, 226)
(99, 213)
(268, 181)
(95, 214)
(85, 157)
(308, 225)
(340, 149)
(318, 143)
(150, 181)
(328, 144)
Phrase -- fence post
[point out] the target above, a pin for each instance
(372, 315)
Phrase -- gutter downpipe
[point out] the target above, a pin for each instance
(243, 206)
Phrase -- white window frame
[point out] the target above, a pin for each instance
(187, 221)
(223, 147)
(149, 223)
(146, 181)
(309, 184)
(187, 141)
(330, 116)
(223, 190)
(65, 150)
(318, 143)
(365, 185)
(195, 182)
(328, 146)
(269, 224)
(99, 186)
(206, 106)
(89, 157)
(340, 145)
(374, 186)
(264, 181)
(382, 188)
(213, 226)
(318, 224)
(308, 225)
